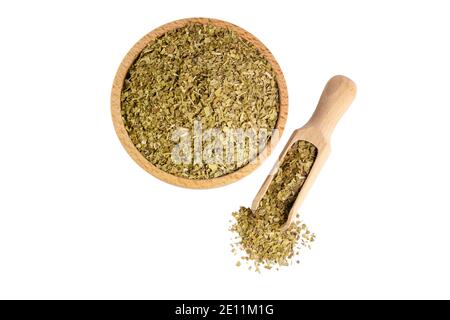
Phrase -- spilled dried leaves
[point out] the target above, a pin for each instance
(198, 72)
(258, 233)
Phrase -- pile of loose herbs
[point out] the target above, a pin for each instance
(198, 72)
(258, 232)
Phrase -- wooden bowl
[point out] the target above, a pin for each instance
(119, 126)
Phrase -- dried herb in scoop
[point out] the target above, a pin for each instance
(201, 73)
(259, 233)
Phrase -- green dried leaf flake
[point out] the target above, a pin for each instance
(259, 231)
(197, 72)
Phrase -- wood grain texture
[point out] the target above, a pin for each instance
(336, 97)
(148, 166)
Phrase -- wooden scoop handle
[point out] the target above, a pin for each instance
(336, 97)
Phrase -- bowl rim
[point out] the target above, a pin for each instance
(134, 153)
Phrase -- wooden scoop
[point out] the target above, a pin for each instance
(336, 97)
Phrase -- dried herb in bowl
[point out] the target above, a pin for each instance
(203, 76)
(259, 233)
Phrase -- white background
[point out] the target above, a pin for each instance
(79, 219)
